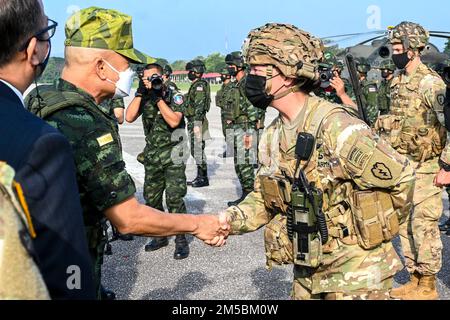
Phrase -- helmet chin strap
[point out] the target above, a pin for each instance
(276, 95)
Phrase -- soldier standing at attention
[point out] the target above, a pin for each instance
(245, 126)
(415, 128)
(162, 112)
(99, 48)
(226, 114)
(348, 178)
(198, 102)
(387, 69)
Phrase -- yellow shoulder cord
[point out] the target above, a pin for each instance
(24, 205)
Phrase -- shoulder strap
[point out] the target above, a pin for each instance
(52, 100)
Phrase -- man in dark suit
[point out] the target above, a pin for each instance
(40, 155)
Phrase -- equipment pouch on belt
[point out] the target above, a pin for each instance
(277, 243)
(374, 218)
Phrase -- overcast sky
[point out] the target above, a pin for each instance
(183, 29)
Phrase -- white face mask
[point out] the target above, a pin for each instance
(123, 85)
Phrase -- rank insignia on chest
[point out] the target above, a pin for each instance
(200, 89)
(104, 140)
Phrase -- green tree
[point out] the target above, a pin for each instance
(162, 62)
(179, 65)
(215, 62)
(447, 48)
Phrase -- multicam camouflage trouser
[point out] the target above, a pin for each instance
(299, 292)
(420, 235)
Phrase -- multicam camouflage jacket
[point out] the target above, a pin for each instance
(348, 158)
(415, 125)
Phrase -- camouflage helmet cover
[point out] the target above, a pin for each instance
(235, 58)
(107, 29)
(411, 35)
(196, 66)
(294, 52)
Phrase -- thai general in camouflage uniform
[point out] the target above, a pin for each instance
(226, 113)
(166, 151)
(245, 125)
(349, 164)
(415, 128)
(198, 103)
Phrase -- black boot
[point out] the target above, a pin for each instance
(198, 177)
(445, 227)
(181, 248)
(242, 198)
(107, 295)
(156, 244)
(125, 237)
(202, 178)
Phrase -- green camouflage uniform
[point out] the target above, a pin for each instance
(331, 95)
(164, 159)
(171, 85)
(198, 103)
(92, 132)
(415, 127)
(245, 119)
(370, 91)
(348, 158)
(226, 114)
(384, 97)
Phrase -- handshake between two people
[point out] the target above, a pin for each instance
(213, 230)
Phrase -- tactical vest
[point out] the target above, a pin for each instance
(412, 128)
(190, 110)
(350, 213)
(20, 278)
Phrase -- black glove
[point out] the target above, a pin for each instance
(142, 89)
(155, 96)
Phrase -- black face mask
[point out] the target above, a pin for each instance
(44, 63)
(224, 78)
(401, 60)
(192, 76)
(232, 71)
(255, 90)
(385, 74)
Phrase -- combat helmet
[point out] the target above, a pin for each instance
(295, 52)
(167, 70)
(387, 64)
(236, 59)
(196, 65)
(412, 35)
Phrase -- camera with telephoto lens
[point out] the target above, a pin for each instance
(156, 81)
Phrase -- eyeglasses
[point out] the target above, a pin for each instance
(43, 35)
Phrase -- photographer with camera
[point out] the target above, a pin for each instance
(162, 111)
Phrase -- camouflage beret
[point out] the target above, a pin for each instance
(104, 29)
(411, 35)
(295, 52)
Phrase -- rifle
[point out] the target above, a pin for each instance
(354, 79)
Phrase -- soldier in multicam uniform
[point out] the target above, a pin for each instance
(387, 69)
(348, 162)
(370, 91)
(226, 114)
(99, 43)
(198, 103)
(415, 128)
(162, 111)
(245, 126)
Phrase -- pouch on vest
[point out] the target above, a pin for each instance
(276, 191)
(277, 243)
(374, 218)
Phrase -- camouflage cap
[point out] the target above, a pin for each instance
(388, 64)
(295, 52)
(411, 35)
(104, 29)
(235, 58)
